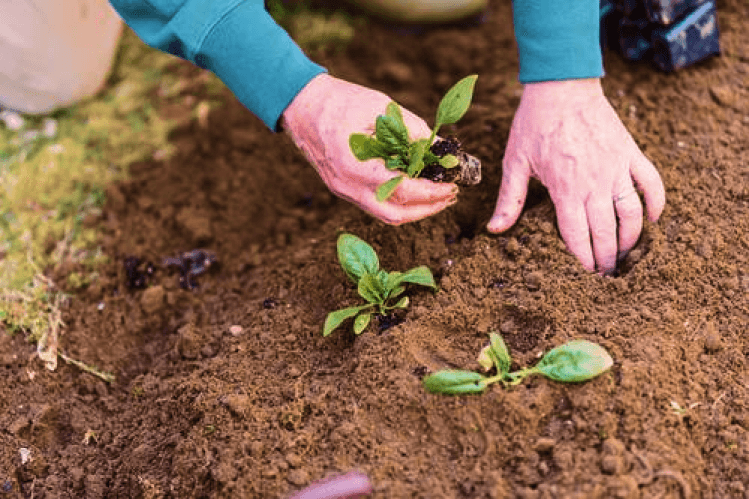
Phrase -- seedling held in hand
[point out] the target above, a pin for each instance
(574, 361)
(392, 143)
(379, 287)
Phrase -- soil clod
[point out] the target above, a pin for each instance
(468, 171)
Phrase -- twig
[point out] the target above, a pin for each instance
(109, 378)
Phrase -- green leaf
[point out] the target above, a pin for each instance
(577, 360)
(365, 147)
(361, 322)
(455, 103)
(395, 163)
(449, 161)
(371, 289)
(396, 291)
(402, 303)
(499, 354)
(418, 275)
(485, 359)
(391, 132)
(356, 257)
(386, 189)
(454, 382)
(393, 110)
(416, 157)
(336, 318)
(430, 157)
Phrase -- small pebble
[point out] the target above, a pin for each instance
(298, 477)
(294, 460)
(49, 128)
(713, 341)
(236, 330)
(13, 121)
(612, 465)
(25, 455)
(152, 299)
(544, 444)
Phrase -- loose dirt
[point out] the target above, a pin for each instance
(230, 390)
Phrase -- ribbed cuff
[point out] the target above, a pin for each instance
(257, 60)
(557, 39)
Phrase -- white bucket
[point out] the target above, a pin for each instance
(54, 52)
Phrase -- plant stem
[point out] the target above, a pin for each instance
(510, 379)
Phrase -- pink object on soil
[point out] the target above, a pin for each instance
(350, 485)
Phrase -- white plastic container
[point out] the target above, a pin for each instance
(54, 52)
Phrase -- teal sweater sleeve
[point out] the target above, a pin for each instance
(557, 39)
(235, 39)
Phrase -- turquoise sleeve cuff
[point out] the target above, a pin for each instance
(557, 40)
(257, 60)
(235, 39)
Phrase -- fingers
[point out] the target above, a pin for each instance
(649, 182)
(602, 222)
(573, 227)
(629, 214)
(512, 193)
(415, 191)
(397, 214)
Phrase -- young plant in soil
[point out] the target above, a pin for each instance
(572, 362)
(380, 288)
(442, 161)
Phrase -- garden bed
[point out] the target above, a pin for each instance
(230, 389)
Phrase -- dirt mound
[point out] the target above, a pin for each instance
(203, 408)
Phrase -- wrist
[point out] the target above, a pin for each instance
(584, 88)
(308, 103)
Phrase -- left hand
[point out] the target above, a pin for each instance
(567, 135)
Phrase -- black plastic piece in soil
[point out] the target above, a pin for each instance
(270, 303)
(191, 264)
(137, 277)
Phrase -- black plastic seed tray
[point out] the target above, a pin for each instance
(671, 33)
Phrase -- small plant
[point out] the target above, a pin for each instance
(379, 287)
(572, 362)
(392, 143)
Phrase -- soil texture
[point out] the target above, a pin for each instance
(226, 388)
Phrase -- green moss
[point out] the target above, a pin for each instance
(48, 186)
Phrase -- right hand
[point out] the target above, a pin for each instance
(321, 118)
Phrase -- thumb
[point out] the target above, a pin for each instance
(512, 193)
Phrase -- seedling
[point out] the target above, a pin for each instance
(379, 287)
(391, 141)
(572, 362)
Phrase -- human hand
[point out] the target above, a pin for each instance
(567, 135)
(320, 120)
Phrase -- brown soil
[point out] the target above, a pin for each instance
(201, 409)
